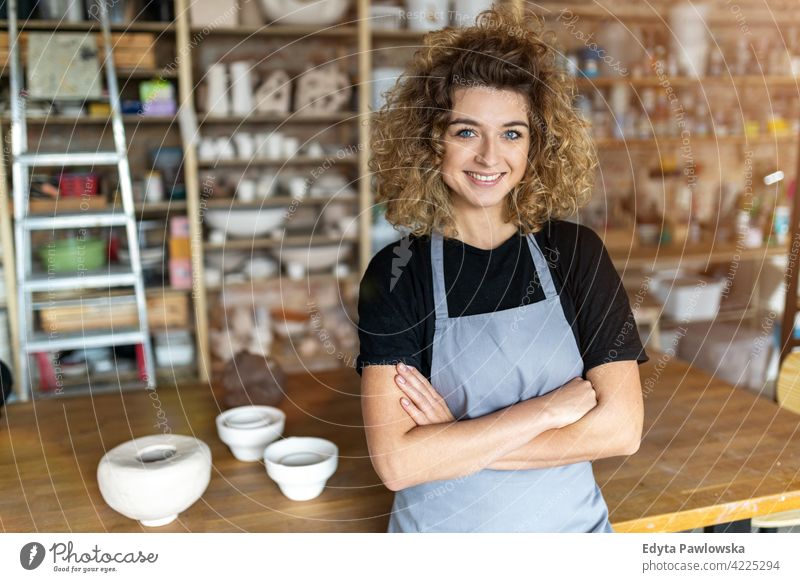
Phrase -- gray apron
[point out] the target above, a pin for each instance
(485, 362)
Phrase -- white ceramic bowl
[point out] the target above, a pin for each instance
(314, 12)
(301, 465)
(314, 258)
(248, 429)
(245, 222)
(154, 478)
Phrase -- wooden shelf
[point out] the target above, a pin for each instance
(93, 120)
(278, 201)
(292, 240)
(282, 118)
(55, 25)
(663, 142)
(649, 257)
(311, 277)
(630, 13)
(343, 30)
(168, 206)
(123, 74)
(725, 81)
(402, 34)
(295, 161)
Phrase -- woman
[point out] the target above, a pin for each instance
(498, 349)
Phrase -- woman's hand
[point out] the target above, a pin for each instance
(570, 402)
(421, 401)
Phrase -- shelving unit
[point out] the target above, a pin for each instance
(723, 153)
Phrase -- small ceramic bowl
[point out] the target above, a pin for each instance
(301, 465)
(248, 429)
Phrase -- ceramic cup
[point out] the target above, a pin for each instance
(273, 146)
(245, 145)
(246, 190)
(314, 149)
(216, 237)
(241, 87)
(153, 187)
(217, 97)
(301, 466)
(297, 187)
(266, 185)
(291, 145)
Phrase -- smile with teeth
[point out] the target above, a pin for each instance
(485, 178)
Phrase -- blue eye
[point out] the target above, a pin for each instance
(517, 135)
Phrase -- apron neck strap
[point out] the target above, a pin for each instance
(437, 265)
(542, 269)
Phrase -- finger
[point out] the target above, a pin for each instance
(413, 392)
(436, 399)
(407, 374)
(424, 386)
(415, 413)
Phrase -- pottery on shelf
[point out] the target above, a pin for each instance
(247, 430)
(245, 222)
(301, 465)
(241, 87)
(310, 12)
(314, 258)
(273, 95)
(217, 102)
(324, 89)
(154, 478)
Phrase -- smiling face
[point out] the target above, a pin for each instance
(485, 146)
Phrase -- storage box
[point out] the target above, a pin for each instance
(163, 311)
(131, 50)
(734, 353)
(688, 297)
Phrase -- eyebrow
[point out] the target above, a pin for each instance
(477, 124)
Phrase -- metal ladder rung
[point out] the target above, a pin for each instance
(74, 220)
(43, 342)
(109, 277)
(69, 159)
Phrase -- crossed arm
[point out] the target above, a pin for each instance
(419, 441)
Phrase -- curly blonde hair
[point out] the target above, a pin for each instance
(506, 49)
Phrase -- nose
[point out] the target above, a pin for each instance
(487, 153)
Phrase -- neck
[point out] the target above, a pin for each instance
(483, 228)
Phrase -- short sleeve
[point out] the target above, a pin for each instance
(389, 330)
(606, 325)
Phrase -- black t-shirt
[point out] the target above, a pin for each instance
(396, 307)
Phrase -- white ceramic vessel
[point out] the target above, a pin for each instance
(248, 429)
(301, 465)
(316, 12)
(314, 258)
(154, 478)
(245, 222)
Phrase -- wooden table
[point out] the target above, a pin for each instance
(711, 454)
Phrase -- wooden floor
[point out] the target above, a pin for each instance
(711, 454)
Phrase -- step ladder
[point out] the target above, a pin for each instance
(39, 344)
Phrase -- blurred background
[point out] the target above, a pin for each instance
(247, 125)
